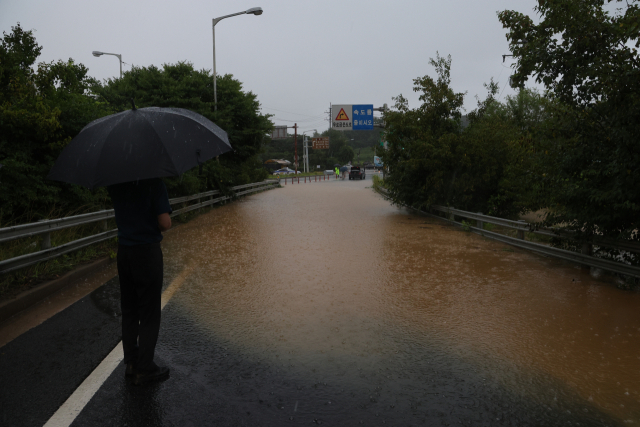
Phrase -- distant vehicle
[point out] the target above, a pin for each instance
(357, 173)
(329, 172)
(285, 171)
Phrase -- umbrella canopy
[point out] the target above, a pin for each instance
(139, 144)
(344, 169)
(336, 165)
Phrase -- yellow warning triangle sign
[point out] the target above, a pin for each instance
(342, 115)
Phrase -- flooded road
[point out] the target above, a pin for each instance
(362, 312)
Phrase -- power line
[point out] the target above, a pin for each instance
(294, 121)
(289, 112)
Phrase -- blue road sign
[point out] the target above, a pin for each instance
(362, 117)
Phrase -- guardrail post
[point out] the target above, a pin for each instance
(105, 225)
(479, 223)
(587, 248)
(46, 241)
(521, 232)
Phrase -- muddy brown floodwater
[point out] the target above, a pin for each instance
(328, 280)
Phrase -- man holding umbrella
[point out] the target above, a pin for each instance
(128, 153)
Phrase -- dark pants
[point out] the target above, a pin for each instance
(140, 269)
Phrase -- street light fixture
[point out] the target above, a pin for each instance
(253, 11)
(98, 54)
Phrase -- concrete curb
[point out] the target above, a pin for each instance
(28, 298)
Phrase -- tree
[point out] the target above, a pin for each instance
(422, 142)
(40, 111)
(432, 159)
(587, 58)
(346, 154)
(530, 157)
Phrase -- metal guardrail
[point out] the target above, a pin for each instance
(521, 227)
(516, 225)
(47, 226)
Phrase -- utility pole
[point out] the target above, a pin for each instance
(295, 141)
(305, 155)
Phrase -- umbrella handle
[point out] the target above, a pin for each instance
(199, 162)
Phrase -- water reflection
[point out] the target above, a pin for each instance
(330, 281)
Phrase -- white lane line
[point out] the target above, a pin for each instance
(70, 409)
(67, 413)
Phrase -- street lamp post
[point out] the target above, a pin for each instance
(306, 149)
(98, 54)
(253, 11)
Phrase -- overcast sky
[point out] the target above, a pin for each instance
(298, 57)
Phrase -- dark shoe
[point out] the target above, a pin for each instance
(146, 377)
(130, 371)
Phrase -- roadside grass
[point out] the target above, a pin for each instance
(378, 182)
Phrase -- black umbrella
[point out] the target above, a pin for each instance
(336, 165)
(139, 144)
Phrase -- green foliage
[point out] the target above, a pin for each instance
(346, 154)
(486, 167)
(377, 182)
(422, 142)
(433, 161)
(588, 59)
(39, 113)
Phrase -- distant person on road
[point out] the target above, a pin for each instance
(142, 213)
(337, 173)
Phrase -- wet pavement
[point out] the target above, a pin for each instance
(321, 303)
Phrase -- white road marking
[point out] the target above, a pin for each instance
(67, 413)
(70, 409)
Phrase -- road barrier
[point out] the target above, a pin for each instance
(521, 227)
(45, 227)
(316, 179)
(321, 178)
